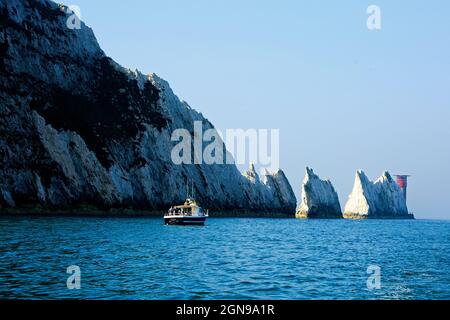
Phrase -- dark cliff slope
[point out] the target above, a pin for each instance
(77, 129)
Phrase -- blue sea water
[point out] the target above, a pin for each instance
(229, 258)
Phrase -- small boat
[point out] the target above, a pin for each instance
(190, 213)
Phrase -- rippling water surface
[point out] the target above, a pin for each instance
(229, 258)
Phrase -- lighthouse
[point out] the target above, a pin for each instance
(402, 181)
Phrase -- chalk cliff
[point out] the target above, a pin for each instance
(77, 129)
(380, 199)
(319, 199)
(271, 188)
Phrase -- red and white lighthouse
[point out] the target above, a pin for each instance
(402, 181)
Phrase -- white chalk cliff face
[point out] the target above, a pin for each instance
(272, 188)
(380, 199)
(319, 199)
(77, 129)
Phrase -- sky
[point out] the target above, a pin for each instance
(343, 97)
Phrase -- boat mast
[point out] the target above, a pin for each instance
(187, 188)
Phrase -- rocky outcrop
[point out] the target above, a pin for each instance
(271, 188)
(380, 199)
(77, 129)
(319, 199)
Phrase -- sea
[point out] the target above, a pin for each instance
(228, 258)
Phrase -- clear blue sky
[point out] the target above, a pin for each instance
(343, 97)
